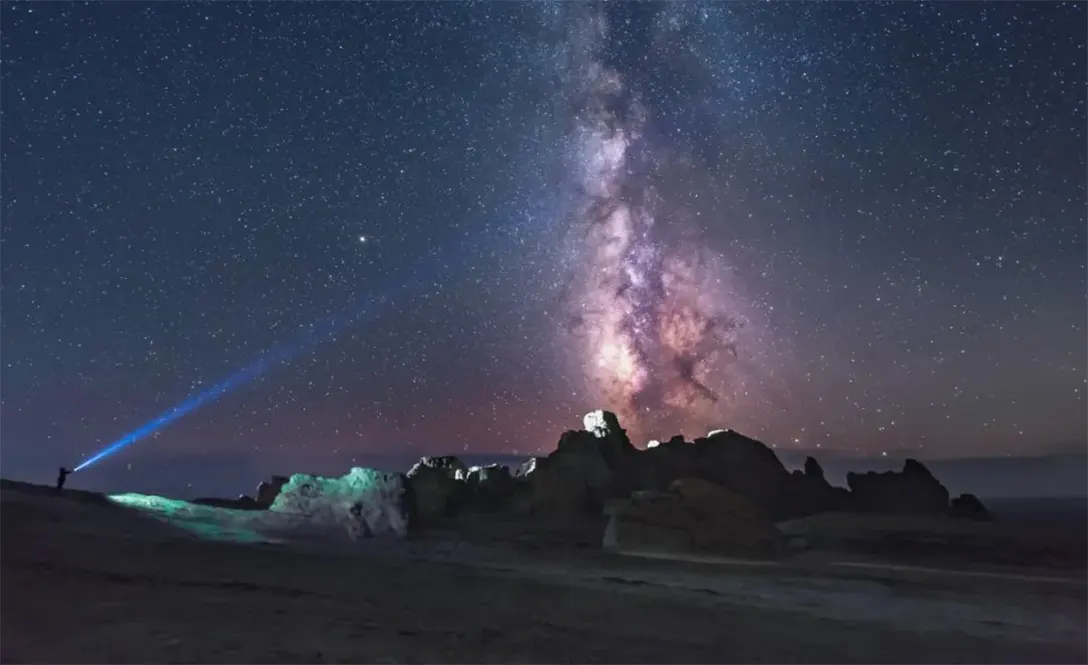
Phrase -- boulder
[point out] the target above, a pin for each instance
(437, 488)
(968, 506)
(267, 491)
(913, 490)
(693, 515)
(367, 502)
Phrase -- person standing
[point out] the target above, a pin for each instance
(62, 476)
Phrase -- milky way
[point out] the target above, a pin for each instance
(659, 329)
(847, 226)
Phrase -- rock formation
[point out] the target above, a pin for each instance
(575, 478)
(592, 466)
(267, 491)
(913, 490)
(489, 487)
(366, 502)
(968, 506)
(694, 515)
(718, 492)
(437, 487)
(808, 493)
(744, 466)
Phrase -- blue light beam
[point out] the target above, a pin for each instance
(367, 307)
(188, 406)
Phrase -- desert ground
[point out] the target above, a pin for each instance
(87, 580)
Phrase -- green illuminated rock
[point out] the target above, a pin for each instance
(364, 501)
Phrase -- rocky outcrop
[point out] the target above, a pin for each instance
(573, 479)
(366, 502)
(743, 465)
(612, 439)
(588, 467)
(808, 493)
(437, 487)
(661, 464)
(268, 490)
(488, 488)
(693, 515)
(912, 491)
(968, 506)
(725, 458)
(598, 464)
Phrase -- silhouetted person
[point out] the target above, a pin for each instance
(61, 477)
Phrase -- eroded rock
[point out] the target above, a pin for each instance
(659, 466)
(597, 465)
(968, 506)
(267, 491)
(573, 479)
(808, 493)
(489, 487)
(367, 502)
(693, 515)
(437, 487)
(587, 468)
(743, 465)
(913, 491)
(612, 442)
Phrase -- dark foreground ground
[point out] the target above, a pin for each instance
(84, 580)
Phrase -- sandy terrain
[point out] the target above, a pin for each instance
(87, 581)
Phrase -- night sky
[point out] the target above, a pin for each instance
(457, 227)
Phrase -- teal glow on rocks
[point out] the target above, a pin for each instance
(207, 522)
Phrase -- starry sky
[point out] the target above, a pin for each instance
(457, 227)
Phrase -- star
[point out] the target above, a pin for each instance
(698, 215)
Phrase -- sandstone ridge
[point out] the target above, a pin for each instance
(721, 493)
